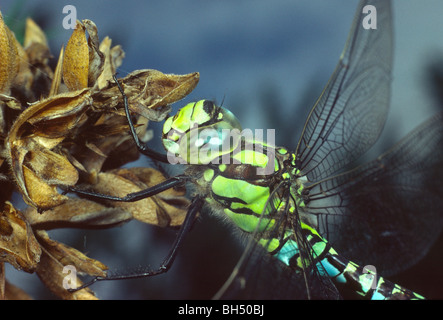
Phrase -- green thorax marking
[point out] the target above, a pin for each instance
(245, 196)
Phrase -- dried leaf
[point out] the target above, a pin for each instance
(10, 102)
(38, 193)
(106, 141)
(36, 169)
(51, 167)
(69, 256)
(53, 117)
(76, 60)
(77, 213)
(117, 56)
(34, 34)
(37, 55)
(173, 202)
(166, 209)
(95, 156)
(55, 257)
(35, 74)
(113, 59)
(150, 92)
(50, 272)
(56, 81)
(48, 143)
(96, 57)
(8, 56)
(18, 245)
(83, 59)
(162, 89)
(24, 77)
(84, 132)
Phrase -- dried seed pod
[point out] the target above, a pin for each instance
(18, 245)
(62, 126)
(9, 65)
(38, 170)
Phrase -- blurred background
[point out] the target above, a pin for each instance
(267, 61)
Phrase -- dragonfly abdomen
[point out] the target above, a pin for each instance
(362, 282)
(352, 280)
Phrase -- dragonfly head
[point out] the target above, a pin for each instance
(201, 132)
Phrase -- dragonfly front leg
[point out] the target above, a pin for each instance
(194, 208)
(143, 148)
(135, 196)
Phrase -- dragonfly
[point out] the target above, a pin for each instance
(311, 223)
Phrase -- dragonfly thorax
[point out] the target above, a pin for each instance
(251, 182)
(250, 199)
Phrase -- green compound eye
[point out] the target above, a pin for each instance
(201, 132)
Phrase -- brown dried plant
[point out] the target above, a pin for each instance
(62, 127)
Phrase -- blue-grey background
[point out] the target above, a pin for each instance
(267, 61)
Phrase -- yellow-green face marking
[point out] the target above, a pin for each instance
(201, 132)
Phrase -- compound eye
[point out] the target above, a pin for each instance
(230, 121)
(208, 138)
(201, 132)
(203, 145)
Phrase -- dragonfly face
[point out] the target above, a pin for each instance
(201, 132)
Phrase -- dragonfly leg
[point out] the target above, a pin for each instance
(194, 208)
(135, 196)
(143, 148)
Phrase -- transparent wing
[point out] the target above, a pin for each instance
(262, 277)
(351, 111)
(258, 275)
(389, 211)
(346, 120)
